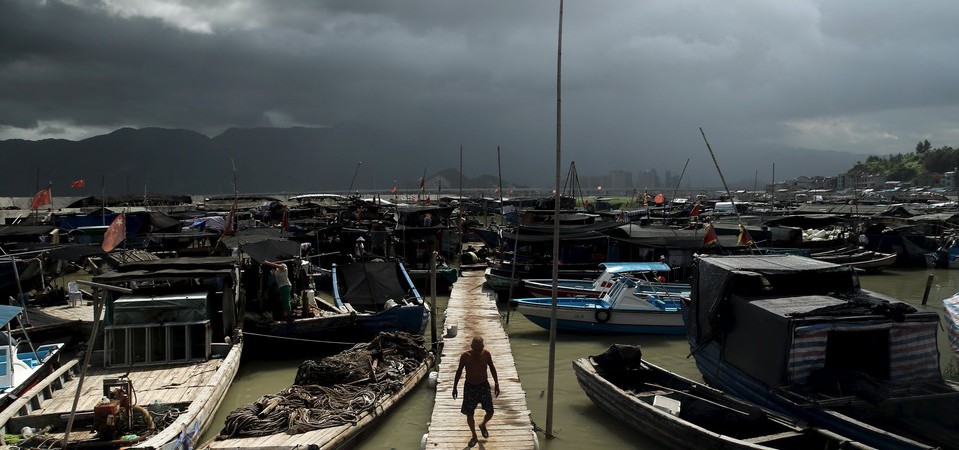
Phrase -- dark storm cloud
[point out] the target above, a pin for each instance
(639, 78)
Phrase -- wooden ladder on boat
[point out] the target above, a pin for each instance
(33, 399)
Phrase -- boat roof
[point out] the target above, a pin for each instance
(8, 312)
(620, 267)
(170, 268)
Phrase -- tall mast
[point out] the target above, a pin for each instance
(556, 199)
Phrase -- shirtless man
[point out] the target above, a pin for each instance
(476, 389)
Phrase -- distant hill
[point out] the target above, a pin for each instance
(181, 161)
(276, 160)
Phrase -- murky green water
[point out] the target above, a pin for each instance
(577, 422)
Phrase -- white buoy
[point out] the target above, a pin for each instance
(434, 379)
(423, 441)
(451, 331)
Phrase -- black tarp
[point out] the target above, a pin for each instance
(716, 278)
(370, 284)
(262, 244)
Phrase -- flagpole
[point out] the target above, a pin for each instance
(499, 169)
(36, 211)
(556, 199)
(103, 200)
(461, 180)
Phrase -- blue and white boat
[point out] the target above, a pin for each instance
(381, 297)
(646, 274)
(801, 336)
(624, 308)
(22, 364)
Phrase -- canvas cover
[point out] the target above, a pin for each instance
(715, 278)
(913, 343)
(370, 284)
(950, 309)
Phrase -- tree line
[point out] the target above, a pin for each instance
(909, 166)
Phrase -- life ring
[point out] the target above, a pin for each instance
(602, 315)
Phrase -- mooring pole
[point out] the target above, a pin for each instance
(925, 295)
(433, 299)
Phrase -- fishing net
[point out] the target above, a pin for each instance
(333, 391)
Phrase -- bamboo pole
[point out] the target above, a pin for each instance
(739, 218)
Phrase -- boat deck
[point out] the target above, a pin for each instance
(172, 384)
(473, 312)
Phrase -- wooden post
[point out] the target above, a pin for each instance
(433, 299)
(925, 295)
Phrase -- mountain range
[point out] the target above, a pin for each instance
(273, 160)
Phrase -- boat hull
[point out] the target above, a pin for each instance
(590, 315)
(704, 417)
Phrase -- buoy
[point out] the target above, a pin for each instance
(451, 331)
(434, 379)
(423, 441)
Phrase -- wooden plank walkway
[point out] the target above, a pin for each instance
(473, 311)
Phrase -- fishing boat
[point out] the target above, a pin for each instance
(623, 308)
(867, 260)
(680, 413)
(333, 400)
(644, 272)
(168, 351)
(22, 364)
(380, 296)
(801, 336)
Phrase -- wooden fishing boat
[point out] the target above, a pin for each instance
(380, 296)
(868, 260)
(644, 272)
(319, 413)
(624, 308)
(680, 413)
(801, 336)
(158, 378)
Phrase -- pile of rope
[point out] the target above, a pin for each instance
(333, 391)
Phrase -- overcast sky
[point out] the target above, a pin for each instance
(639, 77)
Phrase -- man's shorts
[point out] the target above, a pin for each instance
(474, 394)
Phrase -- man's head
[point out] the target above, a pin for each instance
(477, 343)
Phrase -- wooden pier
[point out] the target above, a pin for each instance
(473, 311)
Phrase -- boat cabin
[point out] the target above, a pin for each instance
(788, 320)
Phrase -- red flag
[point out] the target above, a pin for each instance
(394, 189)
(78, 184)
(116, 233)
(744, 237)
(711, 238)
(695, 211)
(41, 198)
(427, 199)
(659, 199)
(286, 220)
(228, 228)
